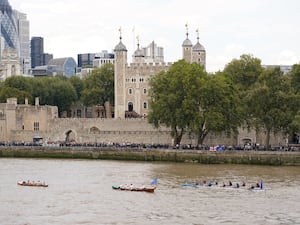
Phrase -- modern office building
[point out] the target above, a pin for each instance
(60, 66)
(46, 58)
(37, 51)
(9, 28)
(86, 59)
(283, 68)
(152, 53)
(15, 35)
(23, 32)
(102, 58)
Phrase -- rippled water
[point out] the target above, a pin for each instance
(80, 192)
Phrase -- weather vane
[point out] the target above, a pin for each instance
(197, 31)
(187, 30)
(120, 30)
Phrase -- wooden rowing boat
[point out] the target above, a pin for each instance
(134, 188)
(32, 184)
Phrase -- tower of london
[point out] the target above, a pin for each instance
(131, 80)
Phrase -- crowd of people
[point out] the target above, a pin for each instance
(152, 146)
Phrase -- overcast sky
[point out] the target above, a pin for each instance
(267, 29)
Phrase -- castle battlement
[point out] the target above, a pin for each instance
(149, 64)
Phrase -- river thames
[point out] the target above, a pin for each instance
(80, 192)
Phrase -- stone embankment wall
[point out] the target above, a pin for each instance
(192, 156)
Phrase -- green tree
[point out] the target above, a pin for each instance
(77, 84)
(63, 95)
(99, 86)
(57, 91)
(10, 92)
(244, 72)
(18, 87)
(173, 95)
(271, 103)
(294, 77)
(217, 108)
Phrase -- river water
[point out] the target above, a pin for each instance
(80, 192)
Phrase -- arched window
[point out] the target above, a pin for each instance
(130, 106)
(130, 91)
(145, 91)
(145, 105)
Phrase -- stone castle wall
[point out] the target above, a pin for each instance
(99, 130)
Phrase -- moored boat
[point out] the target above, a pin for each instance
(32, 184)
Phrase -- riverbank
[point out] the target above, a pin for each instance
(276, 158)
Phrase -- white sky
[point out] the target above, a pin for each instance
(267, 29)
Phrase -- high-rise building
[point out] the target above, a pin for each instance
(37, 51)
(46, 58)
(85, 60)
(153, 53)
(9, 28)
(23, 32)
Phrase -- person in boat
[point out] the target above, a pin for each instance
(209, 184)
(257, 185)
(237, 185)
(224, 185)
(243, 184)
(216, 183)
(197, 182)
(230, 183)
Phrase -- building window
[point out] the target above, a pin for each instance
(145, 91)
(130, 106)
(145, 105)
(130, 91)
(36, 126)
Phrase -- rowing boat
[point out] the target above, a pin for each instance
(134, 188)
(32, 184)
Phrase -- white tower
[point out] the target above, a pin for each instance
(120, 72)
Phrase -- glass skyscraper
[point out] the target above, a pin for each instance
(9, 28)
(23, 33)
(14, 34)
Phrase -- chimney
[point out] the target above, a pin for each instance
(37, 101)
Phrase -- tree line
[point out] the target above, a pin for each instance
(191, 101)
(95, 89)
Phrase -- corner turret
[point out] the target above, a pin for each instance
(187, 47)
(120, 72)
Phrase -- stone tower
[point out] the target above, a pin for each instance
(120, 72)
(138, 56)
(187, 47)
(198, 52)
(9, 64)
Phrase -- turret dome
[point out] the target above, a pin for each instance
(187, 43)
(198, 47)
(120, 47)
(139, 52)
